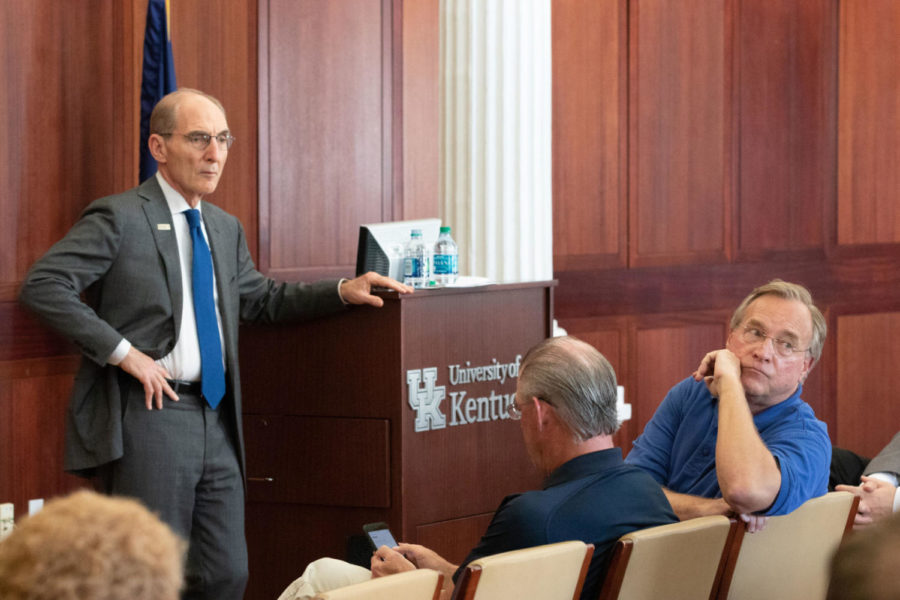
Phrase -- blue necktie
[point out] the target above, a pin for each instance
(213, 373)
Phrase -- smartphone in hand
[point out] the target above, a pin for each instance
(379, 535)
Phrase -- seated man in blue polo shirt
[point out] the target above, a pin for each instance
(735, 438)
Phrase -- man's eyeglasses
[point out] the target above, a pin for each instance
(200, 140)
(784, 348)
(515, 413)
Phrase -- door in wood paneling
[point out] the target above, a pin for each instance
(785, 56)
(869, 123)
(325, 122)
(57, 151)
(589, 133)
(416, 196)
(868, 413)
(679, 131)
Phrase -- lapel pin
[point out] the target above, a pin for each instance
(163, 226)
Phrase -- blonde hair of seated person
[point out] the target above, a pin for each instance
(87, 546)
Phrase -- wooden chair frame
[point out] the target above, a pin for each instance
(467, 585)
(733, 549)
(615, 574)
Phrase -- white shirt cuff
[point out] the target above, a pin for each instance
(119, 354)
(340, 283)
(891, 478)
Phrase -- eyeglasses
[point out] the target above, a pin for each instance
(515, 413)
(200, 139)
(784, 348)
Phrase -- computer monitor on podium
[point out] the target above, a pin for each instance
(381, 245)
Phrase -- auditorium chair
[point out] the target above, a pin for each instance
(421, 584)
(549, 572)
(791, 557)
(679, 561)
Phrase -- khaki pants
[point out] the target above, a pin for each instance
(324, 575)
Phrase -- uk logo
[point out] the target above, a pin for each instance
(426, 400)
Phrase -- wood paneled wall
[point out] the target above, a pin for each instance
(349, 122)
(590, 119)
(678, 100)
(327, 119)
(701, 147)
(868, 159)
(65, 143)
(744, 141)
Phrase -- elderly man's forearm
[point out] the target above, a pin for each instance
(687, 506)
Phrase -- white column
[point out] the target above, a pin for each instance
(496, 171)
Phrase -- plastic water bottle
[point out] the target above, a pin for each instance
(416, 263)
(446, 258)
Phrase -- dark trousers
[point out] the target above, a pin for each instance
(846, 467)
(181, 462)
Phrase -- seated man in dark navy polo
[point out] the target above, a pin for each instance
(566, 400)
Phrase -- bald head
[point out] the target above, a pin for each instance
(163, 119)
(577, 380)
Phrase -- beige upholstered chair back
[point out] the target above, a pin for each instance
(550, 572)
(791, 557)
(421, 584)
(676, 561)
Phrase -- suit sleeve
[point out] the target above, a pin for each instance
(888, 460)
(54, 284)
(265, 300)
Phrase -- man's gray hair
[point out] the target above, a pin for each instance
(788, 291)
(577, 380)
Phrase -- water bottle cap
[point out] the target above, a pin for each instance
(416, 233)
(445, 229)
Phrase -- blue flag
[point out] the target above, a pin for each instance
(158, 77)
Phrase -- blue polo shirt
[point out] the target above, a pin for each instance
(595, 498)
(678, 446)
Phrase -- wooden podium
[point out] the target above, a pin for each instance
(394, 414)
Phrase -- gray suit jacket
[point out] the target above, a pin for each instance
(123, 253)
(888, 460)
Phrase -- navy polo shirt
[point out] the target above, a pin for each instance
(595, 498)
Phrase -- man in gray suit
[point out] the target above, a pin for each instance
(139, 417)
(877, 491)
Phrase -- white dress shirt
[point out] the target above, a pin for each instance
(183, 362)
